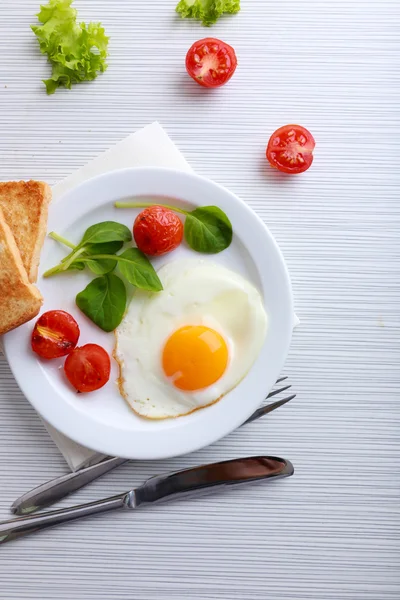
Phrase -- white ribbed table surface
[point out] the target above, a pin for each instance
(331, 532)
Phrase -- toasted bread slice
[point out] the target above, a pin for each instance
(20, 301)
(25, 208)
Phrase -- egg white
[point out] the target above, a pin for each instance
(196, 292)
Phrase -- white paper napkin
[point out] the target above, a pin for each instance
(149, 146)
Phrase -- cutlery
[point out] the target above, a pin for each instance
(160, 488)
(50, 492)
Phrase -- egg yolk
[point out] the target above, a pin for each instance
(195, 357)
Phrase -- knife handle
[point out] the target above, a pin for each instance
(60, 487)
(10, 530)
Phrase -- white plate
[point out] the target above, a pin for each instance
(102, 420)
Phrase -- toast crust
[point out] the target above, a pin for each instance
(25, 207)
(20, 301)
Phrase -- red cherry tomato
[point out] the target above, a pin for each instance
(88, 368)
(157, 230)
(211, 62)
(290, 149)
(55, 334)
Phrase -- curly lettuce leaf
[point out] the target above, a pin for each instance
(207, 11)
(76, 51)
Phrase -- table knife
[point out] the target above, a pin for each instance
(160, 488)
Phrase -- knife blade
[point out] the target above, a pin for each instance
(157, 489)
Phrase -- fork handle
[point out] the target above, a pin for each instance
(16, 528)
(50, 492)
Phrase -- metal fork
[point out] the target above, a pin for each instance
(50, 492)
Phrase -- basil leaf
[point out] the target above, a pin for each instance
(208, 230)
(100, 266)
(139, 271)
(107, 231)
(103, 301)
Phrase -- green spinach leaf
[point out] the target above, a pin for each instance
(102, 266)
(104, 248)
(208, 230)
(139, 271)
(103, 301)
(107, 231)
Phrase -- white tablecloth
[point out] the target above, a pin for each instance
(332, 532)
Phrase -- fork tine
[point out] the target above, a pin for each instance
(281, 379)
(264, 410)
(275, 392)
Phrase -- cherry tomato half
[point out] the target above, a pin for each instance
(211, 62)
(290, 149)
(157, 230)
(88, 368)
(55, 334)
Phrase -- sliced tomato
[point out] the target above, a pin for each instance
(55, 334)
(157, 230)
(290, 149)
(88, 368)
(211, 62)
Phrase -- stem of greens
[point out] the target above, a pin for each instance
(106, 256)
(62, 240)
(63, 260)
(72, 258)
(64, 266)
(147, 205)
(53, 271)
(65, 263)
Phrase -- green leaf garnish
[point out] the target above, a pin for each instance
(104, 247)
(100, 233)
(102, 265)
(76, 51)
(207, 11)
(103, 301)
(208, 230)
(138, 270)
(106, 231)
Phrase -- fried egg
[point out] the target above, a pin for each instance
(184, 348)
